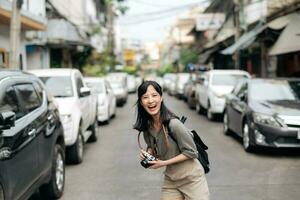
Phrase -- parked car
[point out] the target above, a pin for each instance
(172, 88)
(188, 86)
(213, 88)
(131, 83)
(168, 78)
(32, 148)
(138, 81)
(264, 112)
(118, 77)
(119, 91)
(106, 99)
(77, 108)
(181, 80)
(190, 92)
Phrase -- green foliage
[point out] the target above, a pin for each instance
(94, 70)
(168, 68)
(188, 56)
(83, 57)
(130, 69)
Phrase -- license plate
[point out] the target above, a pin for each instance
(298, 134)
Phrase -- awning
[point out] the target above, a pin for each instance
(244, 41)
(281, 22)
(60, 31)
(224, 33)
(206, 54)
(289, 39)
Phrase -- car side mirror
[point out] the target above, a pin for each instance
(7, 120)
(85, 91)
(243, 97)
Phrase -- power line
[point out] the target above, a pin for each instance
(168, 10)
(154, 18)
(150, 4)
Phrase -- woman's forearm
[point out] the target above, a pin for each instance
(176, 159)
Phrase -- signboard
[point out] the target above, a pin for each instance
(128, 54)
(209, 21)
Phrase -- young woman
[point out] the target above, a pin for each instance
(184, 175)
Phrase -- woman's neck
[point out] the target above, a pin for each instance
(156, 121)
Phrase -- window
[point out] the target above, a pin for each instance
(39, 90)
(58, 86)
(10, 103)
(28, 97)
(243, 90)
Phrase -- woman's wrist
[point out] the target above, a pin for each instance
(166, 162)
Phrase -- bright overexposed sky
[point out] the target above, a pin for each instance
(148, 20)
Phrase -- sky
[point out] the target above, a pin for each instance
(135, 24)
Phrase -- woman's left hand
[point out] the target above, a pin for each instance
(157, 164)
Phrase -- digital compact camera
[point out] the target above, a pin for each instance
(148, 157)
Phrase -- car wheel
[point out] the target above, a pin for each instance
(226, 129)
(54, 189)
(246, 138)
(75, 152)
(209, 113)
(199, 108)
(114, 112)
(93, 128)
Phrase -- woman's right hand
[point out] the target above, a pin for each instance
(142, 157)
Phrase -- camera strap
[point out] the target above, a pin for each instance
(140, 146)
(165, 135)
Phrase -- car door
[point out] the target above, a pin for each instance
(84, 103)
(46, 125)
(239, 107)
(22, 164)
(231, 100)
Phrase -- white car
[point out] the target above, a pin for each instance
(215, 84)
(77, 108)
(120, 91)
(138, 81)
(106, 108)
(168, 79)
(131, 84)
(181, 80)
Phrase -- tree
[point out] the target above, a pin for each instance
(187, 56)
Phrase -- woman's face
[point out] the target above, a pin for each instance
(151, 101)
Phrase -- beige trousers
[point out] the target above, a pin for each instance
(194, 189)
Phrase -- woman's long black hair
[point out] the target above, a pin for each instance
(144, 119)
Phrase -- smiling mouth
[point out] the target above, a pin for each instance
(152, 107)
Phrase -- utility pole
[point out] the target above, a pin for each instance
(15, 29)
(237, 8)
(110, 34)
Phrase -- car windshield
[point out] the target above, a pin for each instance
(226, 79)
(116, 85)
(275, 90)
(97, 87)
(59, 86)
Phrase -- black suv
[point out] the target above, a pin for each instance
(31, 139)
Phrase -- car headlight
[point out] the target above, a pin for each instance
(267, 119)
(66, 118)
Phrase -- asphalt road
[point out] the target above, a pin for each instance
(111, 170)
